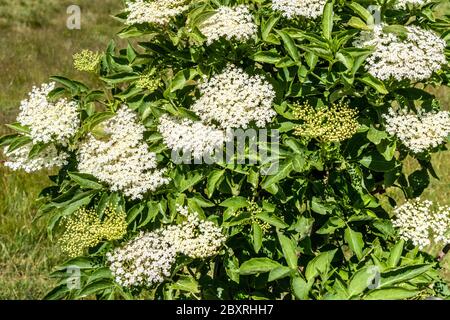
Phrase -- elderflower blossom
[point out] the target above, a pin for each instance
(143, 261)
(335, 123)
(419, 222)
(86, 60)
(47, 158)
(234, 99)
(194, 238)
(148, 258)
(402, 4)
(414, 58)
(229, 23)
(84, 229)
(191, 137)
(48, 121)
(154, 11)
(294, 8)
(418, 132)
(122, 159)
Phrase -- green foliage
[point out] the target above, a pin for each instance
(328, 235)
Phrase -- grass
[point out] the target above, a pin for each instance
(36, 44)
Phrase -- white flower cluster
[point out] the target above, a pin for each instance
(418, 222)
(294, 8)
(143, 261)
(414, 58)
(154, 11)
(402, 4)
(194, 238)
(148, 258)
(48, 121)
(418, 132)
(191, 137)
(48, 158)
(229, 23)
(122, 159)
(234, 99)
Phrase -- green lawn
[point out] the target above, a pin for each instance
(35, 44)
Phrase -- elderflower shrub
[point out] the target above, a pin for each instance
(149, 258)
(191, 137)
(48, 121)
(231, 23)
(418, 132)
(419, 222)
(304, 216)
(337, 122)
(85, 229)
(122, 159)
(415, 58)
(293, 8)
(154, 11)
(86, 60)
(234, 99)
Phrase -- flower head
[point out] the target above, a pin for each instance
(49, 121)
(84, 229)
(414, 58)
(419, 222)
(154, 11)
(122, 160)
(304, 8)
(229, 23)
(418, 132)
(148, 258)
(47, 158)
(86, 60)
(334, 123)
(234, 99)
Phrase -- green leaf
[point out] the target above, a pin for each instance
(355, 241)
(288, 247)
(235, 203)
(258, 265)
(182, 79)
(272, 220)
(290, 46)
(268, 25)
(327, 20)
(301, 288)
(377, 162)
(121, 78)
(283, 171)
(403, 274)
(375, 136)
(361, 281)
(357, 23)
(319, 265)
(391, 294)
(419, 180)
(188, 284)
(96, 287)
(361, 11)
(279, 273)
(213, 180)
(271, 57)
(331, 225)
(85, 180)
(18, 127)
(257, 237)
(374, 83)
(396, 253)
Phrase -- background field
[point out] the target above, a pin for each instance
(34, 44)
